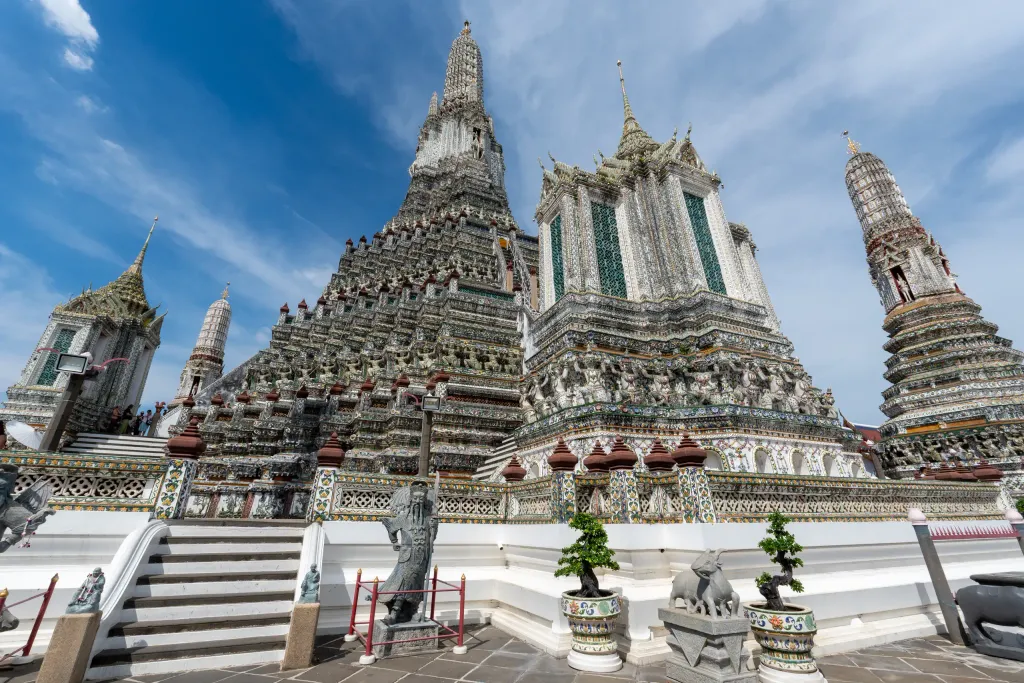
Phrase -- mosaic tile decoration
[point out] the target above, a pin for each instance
(557, 265)
(705, 243)
(62, 343)
(609, 255)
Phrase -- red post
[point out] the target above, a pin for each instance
(373, 612)
(355, 604)
(39, 617)
(462, 608)
(433, 595)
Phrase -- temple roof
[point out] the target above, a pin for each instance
(635, 140)
(122, 298)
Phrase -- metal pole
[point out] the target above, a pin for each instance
(39, 617)
(433, 596)
(943, 594)
(351, 635)
(462, 609)
(60, 418)
(428, 422)
(369, 658)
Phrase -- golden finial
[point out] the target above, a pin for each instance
(465, 28)
(851, 146)
(3, 593)
(224, 294)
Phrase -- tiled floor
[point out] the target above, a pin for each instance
(494, 657)
(920, 660)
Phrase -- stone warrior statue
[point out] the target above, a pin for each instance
(87, 598)
(309, 591)
(414, 518)
(20, 516)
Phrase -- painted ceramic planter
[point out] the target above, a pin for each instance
(592, 621)
(786, 637)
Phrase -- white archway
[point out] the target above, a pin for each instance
(800, 464)
(714, 461)
(762, 461)
(831, 466)
(857, 469)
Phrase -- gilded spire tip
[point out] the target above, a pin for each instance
(852, 147)
(224, 294)
(465, 28)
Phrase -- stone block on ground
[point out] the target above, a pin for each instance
(67, 655)
(706, 650)
(298, 649)
(413, 629)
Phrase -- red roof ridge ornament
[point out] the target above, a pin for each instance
(243, 398)
(189, 444)
(689, 453)
(284, 308)
(303, 392)
(336, 389)
(367, 385)
(513, 470)
(272, 396)
(659, 459)
(597, 461)
(621, 457)
(331, 454)
(217, 400)
(562, 459)
(302, 304)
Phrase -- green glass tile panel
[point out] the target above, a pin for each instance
(705, 245)
(63, 342)
(504, 296)
(557, 273)
(609, 256)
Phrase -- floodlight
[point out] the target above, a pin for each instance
(72, 363)
(431, 403)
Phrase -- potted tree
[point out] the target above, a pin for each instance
(784, 631)
(590, 611)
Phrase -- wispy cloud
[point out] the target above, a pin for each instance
(71, 19)
(1007, 162)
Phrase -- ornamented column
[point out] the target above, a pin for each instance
(183, 452)
(563, 483)
(328, 460)
(693, 481)
(625, 501)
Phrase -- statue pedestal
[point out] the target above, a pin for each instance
(67, 657)
(706, 650)
(412, 629)
(298, 648)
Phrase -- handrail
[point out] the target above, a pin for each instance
(26, 649)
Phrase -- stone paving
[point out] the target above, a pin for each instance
(495, 657)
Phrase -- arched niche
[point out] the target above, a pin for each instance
(763, 461)
(714, 461)
(534, 471)
(800, 463)
(857, 469)
(831, 465)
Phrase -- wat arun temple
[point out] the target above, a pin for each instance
(638, 311)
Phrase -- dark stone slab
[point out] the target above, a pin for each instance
(414, 629)
(1001, 579)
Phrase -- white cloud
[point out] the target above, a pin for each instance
(68, 17)
(77, 61)
(1007, 162)
(90, 105)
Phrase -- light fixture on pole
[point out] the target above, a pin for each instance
(78, 367)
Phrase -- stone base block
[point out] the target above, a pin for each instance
(298, 648)
(67, 655)
(586, 661)
(766, 675)
(706, 650)
(412, 629)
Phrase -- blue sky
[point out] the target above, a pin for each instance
(265, 134)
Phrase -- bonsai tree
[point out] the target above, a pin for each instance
(589, 552)
(1020, 506)
(782, 548)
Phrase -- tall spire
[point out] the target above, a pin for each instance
(635, 139)
(851, 146)
(136, 267)
(464, 78)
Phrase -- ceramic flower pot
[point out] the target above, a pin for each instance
(786, 638)
(592, 621)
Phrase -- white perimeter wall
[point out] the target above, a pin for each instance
(866, 582)
(71, 544)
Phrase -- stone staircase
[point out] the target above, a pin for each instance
(496, 460)
(114, 445)
(215, 593)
